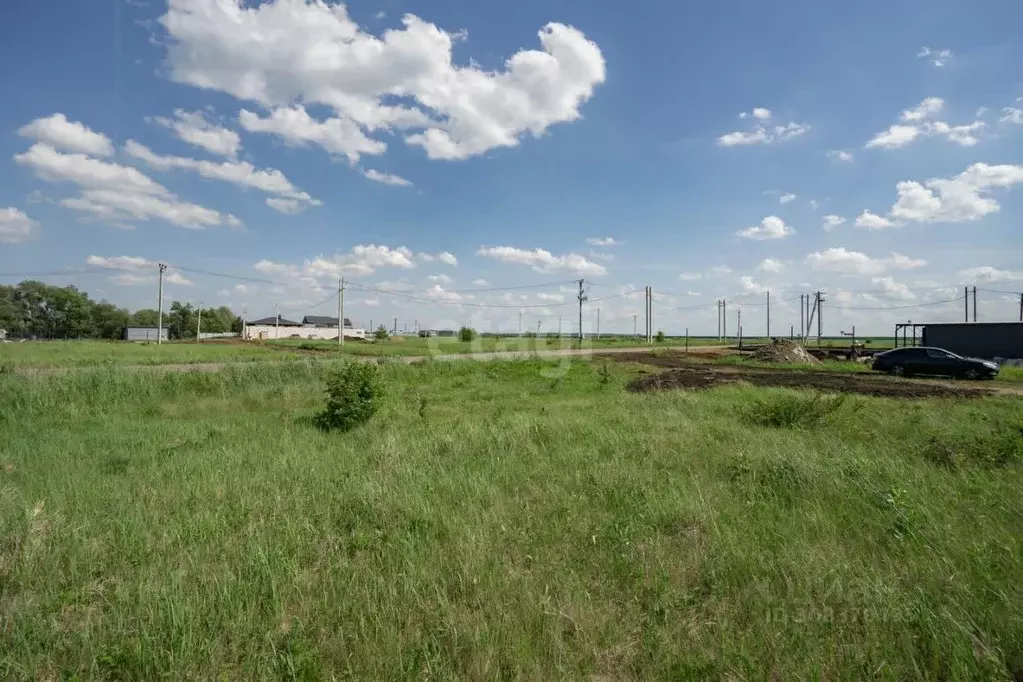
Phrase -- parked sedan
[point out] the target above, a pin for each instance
(933, 361)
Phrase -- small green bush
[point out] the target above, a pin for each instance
(466, 334)
(660, 337)
(381, 333)
(997, 447)
(353, 390)
(794, 411)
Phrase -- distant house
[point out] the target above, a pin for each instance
(275, 321)
(311, 327)
(321, 321)
(143, 333)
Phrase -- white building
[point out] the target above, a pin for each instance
(311, 327)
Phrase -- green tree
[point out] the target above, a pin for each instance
(381, 333)
(145, 317)
(108, 320)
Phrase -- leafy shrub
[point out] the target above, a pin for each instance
(604, 375)
(466, 334)
(997, 447)
(353, 390)
(794, 411)
(660, 337)
(381, 333)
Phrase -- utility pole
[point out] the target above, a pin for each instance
(646, 314)
(635, 329)
(198, 326)
(718, 302)
(769, 314)
(724, 319)
(341, 313)
(159, 314)
(802, 324)
(559, 326)
(520, 323)
(738, 325)
(1021, 307)
(538, 328)
(395, 332)
(974, 304)
(966, 302)
(582, 297)
(820, 316)
(245, 317)
(277, 322)
(598, 323)
(651, 314)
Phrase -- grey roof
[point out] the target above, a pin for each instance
(321, 321)
(274, 320)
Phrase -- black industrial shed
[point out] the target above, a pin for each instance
(977, 339)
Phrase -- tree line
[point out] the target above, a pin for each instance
(34, 309)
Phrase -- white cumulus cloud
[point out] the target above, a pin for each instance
(872, 221)
(844, 262)
(543, 261)
(285, 52)
(386, 178)
(938, 58)
(920, 122)
(771, 227)
(771, 265)
(989, 275)
(239, 173)
(831, 221)
(60, 133)
(15, 226)
(196, 129)
(965, 197)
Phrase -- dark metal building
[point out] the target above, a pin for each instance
(977, 339)
(140, 333)
(323, 321)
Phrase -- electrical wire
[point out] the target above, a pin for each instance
(897, 307)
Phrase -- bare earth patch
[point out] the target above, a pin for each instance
(703, 377)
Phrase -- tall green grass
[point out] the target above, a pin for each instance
(503, 520)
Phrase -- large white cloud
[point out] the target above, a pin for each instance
(841, 261)
(361, 260)
(60, 133)
(197, 129)
(920, 122)
(989, 275)
(964, 197)
(544, 261)
(287, 52)
(115, 193)
(55, 166)
(240, 173)
(771, 227)
(15, 226)
(341, 136)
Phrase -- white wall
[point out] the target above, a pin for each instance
(271, 332)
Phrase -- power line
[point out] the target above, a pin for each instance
(897, 307)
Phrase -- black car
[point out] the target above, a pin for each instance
(933, 361)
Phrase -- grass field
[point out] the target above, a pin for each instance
(50, 354)
(516, 520)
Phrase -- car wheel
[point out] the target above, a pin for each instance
(971, 374)
(898, 371)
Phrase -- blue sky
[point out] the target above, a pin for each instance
(295, 142)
